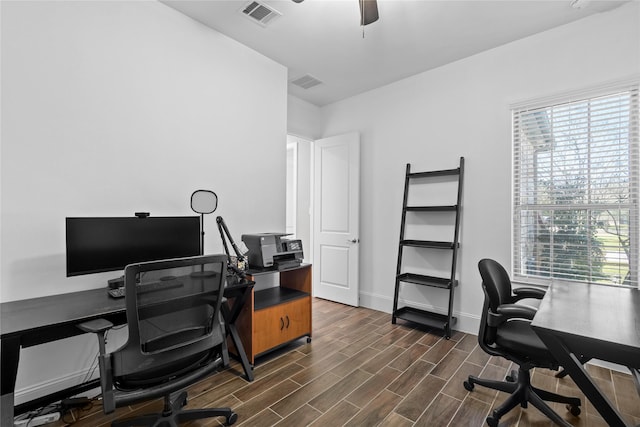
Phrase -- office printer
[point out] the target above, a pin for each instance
(271, 250)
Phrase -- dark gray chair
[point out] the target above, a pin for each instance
(505, 332)
(175, 339)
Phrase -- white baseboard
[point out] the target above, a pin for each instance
(609, 365)
(51, 386)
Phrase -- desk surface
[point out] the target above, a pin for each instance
(19, 317)
(580, 322)
(607, 315)
(35, 315)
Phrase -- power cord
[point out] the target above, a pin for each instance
(74, 407)
(68, 410)
(29, 419)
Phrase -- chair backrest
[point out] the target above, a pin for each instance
(497, 289)
(173, 314)
(496, 283)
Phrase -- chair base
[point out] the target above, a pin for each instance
(522, 393)
(173, 414)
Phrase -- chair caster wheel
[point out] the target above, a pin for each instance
(308, 340)
(492, 421)
(512, 377)
(574, 410)
(231, 419)
(468, 386)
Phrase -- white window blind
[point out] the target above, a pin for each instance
(575, 187)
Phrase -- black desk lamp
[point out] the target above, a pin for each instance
(203, 202)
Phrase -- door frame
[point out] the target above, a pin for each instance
(307, 171)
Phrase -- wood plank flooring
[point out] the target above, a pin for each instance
(360, 370)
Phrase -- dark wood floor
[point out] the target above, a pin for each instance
(360, 370)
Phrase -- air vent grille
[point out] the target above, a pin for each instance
(260, 13)
(307, 81)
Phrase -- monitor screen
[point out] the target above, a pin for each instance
(99, 244)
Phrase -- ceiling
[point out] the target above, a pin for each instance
(324, 39)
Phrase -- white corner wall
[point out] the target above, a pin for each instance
(462, 109)
(303, 118)
(109, 108)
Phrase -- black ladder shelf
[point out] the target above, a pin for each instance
(415, 315)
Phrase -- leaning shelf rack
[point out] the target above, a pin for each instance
(423, 317)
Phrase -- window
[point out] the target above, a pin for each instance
(576, 189)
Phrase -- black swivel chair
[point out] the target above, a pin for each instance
(505, 331)
(175, 339)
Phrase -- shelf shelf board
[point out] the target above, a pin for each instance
(277, 295)
(427, 244)
(423, 317)
(431, 174)
(420, 279)
(271, 270)
(449, 208)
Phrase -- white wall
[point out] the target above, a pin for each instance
(109, 108)
(462, 109)
(303, 118)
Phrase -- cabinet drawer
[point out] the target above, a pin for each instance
(281, 323)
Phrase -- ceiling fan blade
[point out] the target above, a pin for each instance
(368, 11)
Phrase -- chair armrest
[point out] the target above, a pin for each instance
(522, 293)
(519, 311)
(95, 326)
(100, 328)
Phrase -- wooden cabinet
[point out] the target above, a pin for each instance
(281, 323)
(277, 315)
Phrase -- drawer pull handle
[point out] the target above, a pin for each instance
(281, 324)
(288, 321)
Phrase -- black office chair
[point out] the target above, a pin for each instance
(505, 331)
(175, 339)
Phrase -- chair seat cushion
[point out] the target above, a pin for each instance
(160, 374)
(516, 337)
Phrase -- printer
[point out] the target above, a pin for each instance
(272, 250)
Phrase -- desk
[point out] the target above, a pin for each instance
(35, 321)
(592, 321)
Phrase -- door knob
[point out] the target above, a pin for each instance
(354, 240)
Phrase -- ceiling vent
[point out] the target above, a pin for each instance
(260, 13)
(307, 81)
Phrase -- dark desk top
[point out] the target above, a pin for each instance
(604, 315)
(36, 315)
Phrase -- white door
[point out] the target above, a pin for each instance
(336, 218)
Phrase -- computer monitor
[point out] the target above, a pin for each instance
(99, 244)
